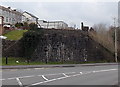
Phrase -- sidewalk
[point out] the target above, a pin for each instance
(53, 66)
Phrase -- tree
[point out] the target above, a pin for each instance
(33, 26)
(103, 36)
(26, 25)
(18, 25)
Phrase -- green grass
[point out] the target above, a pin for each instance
(15, 34)
(22, 61)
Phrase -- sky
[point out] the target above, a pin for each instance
(72, 12)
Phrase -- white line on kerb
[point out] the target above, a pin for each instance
(81, 73)
(65, 75)
(44, 77)
(19, 82)
(2, 79)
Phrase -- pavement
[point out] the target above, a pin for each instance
(82, 75)
(53, 66)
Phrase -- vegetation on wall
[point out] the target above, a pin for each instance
(30, 40)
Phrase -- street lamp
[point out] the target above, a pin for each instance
(115, 40)
(116, 45)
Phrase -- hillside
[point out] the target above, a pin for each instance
(15, 34)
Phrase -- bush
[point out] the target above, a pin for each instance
(30, 41)
(33, 26)
(18, 25)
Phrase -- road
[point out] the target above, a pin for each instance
(82, 75)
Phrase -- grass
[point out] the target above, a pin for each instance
(22, 61)
(15, 34)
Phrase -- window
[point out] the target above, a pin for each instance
(6, 19)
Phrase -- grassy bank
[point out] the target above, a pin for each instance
(15, 34)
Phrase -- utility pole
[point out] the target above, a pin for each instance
(115, 39)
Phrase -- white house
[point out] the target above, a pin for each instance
(10, 17)
(30, 18)
(53, 24)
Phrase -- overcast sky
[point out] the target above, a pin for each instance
(70, 12)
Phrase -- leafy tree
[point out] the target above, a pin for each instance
(18, 25)
(26, 25)
(33, 26)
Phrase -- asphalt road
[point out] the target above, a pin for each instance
(82, 75)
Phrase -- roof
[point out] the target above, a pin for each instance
(30, 14)
(52, 21)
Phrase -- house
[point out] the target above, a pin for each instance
(53, 24)
(1, 25)
(10, 17)
(30, 18)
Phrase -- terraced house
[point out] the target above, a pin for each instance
(53, 24)
(10, 17)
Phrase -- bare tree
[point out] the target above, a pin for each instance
(102, 36)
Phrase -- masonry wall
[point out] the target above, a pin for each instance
(63, 46)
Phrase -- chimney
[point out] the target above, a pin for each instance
(9, 7)
(82, 26)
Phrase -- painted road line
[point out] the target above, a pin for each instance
(70, 72)
(38, 68)
(88, 72)
(19, 77)
(2, 79)
(44, 77)
(47, 81)
(33, 76)
(14, 70)
(81, 73)
(56, 74)
(65, 75)
(104, 70)
(19, 82)
(64, 78)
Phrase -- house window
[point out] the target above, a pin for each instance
(13, 19)
(6, 19)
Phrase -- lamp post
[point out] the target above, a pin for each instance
(115, 40)
(116, 45)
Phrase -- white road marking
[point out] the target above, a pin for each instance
(56, 74)
(20, 77)
(69, 76)
(14, 70)
(2, 79)
(70, 72)
(34, 76)
(44, 77)
(88, 72)
(19, 82)
(48, 81)
(39, 68)
(11, 78)
(104, 70)
(65, 75)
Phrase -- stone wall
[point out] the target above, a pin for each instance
(73, 45)
(12, 48)
(62, 45)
